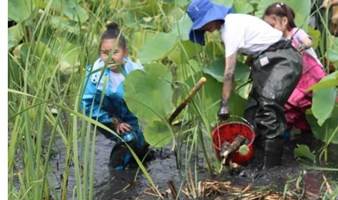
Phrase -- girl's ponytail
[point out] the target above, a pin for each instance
(113, 27)
(113, 32)
(290, 14)
(282, 10)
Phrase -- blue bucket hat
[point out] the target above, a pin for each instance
(202, 12)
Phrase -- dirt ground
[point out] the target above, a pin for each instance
(111, 185)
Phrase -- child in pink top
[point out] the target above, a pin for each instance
(281, 17)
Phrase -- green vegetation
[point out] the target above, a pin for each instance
(52, 41)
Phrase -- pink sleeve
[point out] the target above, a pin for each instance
(299, 34)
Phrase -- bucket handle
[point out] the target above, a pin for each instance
(238, 118)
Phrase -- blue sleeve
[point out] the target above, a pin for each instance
(130, 66)
(93, 110)
(89, 105)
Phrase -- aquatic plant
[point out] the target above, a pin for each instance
(51, 42)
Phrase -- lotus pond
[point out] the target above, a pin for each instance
(55, 153)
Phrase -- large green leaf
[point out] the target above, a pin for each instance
(328, 81)
(262, 5)
(157, 133)
(75, 12)
(214, 49)
(19, 10)
(149, 92)
(184, 52)
(182, 27)
(323, 103)
(332, 52)
(15, 34)
(242, 73)
(69, 61)
(327, 132)
(146, 7)
(70, 9)
(67, 54)
(224, 2)
(302, 10)
(180, 3)
(156, 47)
(242, 6)
(64, 24)
(211, 94)
(149, 96)
(332, 55)
(33, 53)
(216, 70)
(139, 37)
(315, 36)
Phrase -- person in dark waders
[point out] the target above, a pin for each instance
(103, 100)
(282, 17)
(276, 69)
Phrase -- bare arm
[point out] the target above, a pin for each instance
(307, 42)
(302, 37)
(230, 64)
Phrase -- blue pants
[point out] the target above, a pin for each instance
(116, 106)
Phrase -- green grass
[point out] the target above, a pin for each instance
(46, 71)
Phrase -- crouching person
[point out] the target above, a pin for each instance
(103, 100)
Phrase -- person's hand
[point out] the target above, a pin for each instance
(223, 113)
(123, 127)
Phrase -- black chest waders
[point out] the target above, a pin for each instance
(275, 73)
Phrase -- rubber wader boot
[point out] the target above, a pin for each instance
(273, 151)
(119, 157)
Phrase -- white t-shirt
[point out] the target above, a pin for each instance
(247, 34)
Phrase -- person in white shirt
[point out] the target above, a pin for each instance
(276, 69)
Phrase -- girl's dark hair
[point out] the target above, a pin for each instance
(282, 10)
(113, 32)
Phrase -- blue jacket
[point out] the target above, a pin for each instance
(98, 82)
(103, 99)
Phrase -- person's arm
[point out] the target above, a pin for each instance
(92, 110)
(233, 38)
(230, 64)
(307, 42)
(119, 126)
(304, 39)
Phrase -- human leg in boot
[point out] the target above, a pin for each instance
(273, 151)
(146, 154)
(271, 126)
(273, 82)
(120, 157)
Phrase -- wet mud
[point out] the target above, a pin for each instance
(131, 183)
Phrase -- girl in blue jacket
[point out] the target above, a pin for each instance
(103, 100)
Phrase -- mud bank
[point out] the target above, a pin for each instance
(131, 184)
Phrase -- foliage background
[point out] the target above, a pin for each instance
(51, 42)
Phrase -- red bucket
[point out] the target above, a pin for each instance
(227, 132)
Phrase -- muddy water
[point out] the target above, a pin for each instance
(110, 185)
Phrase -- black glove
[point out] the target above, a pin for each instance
(223, 113)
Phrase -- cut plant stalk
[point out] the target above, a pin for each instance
(185, 102)
(182, 105)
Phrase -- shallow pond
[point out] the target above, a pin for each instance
(127, 185)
